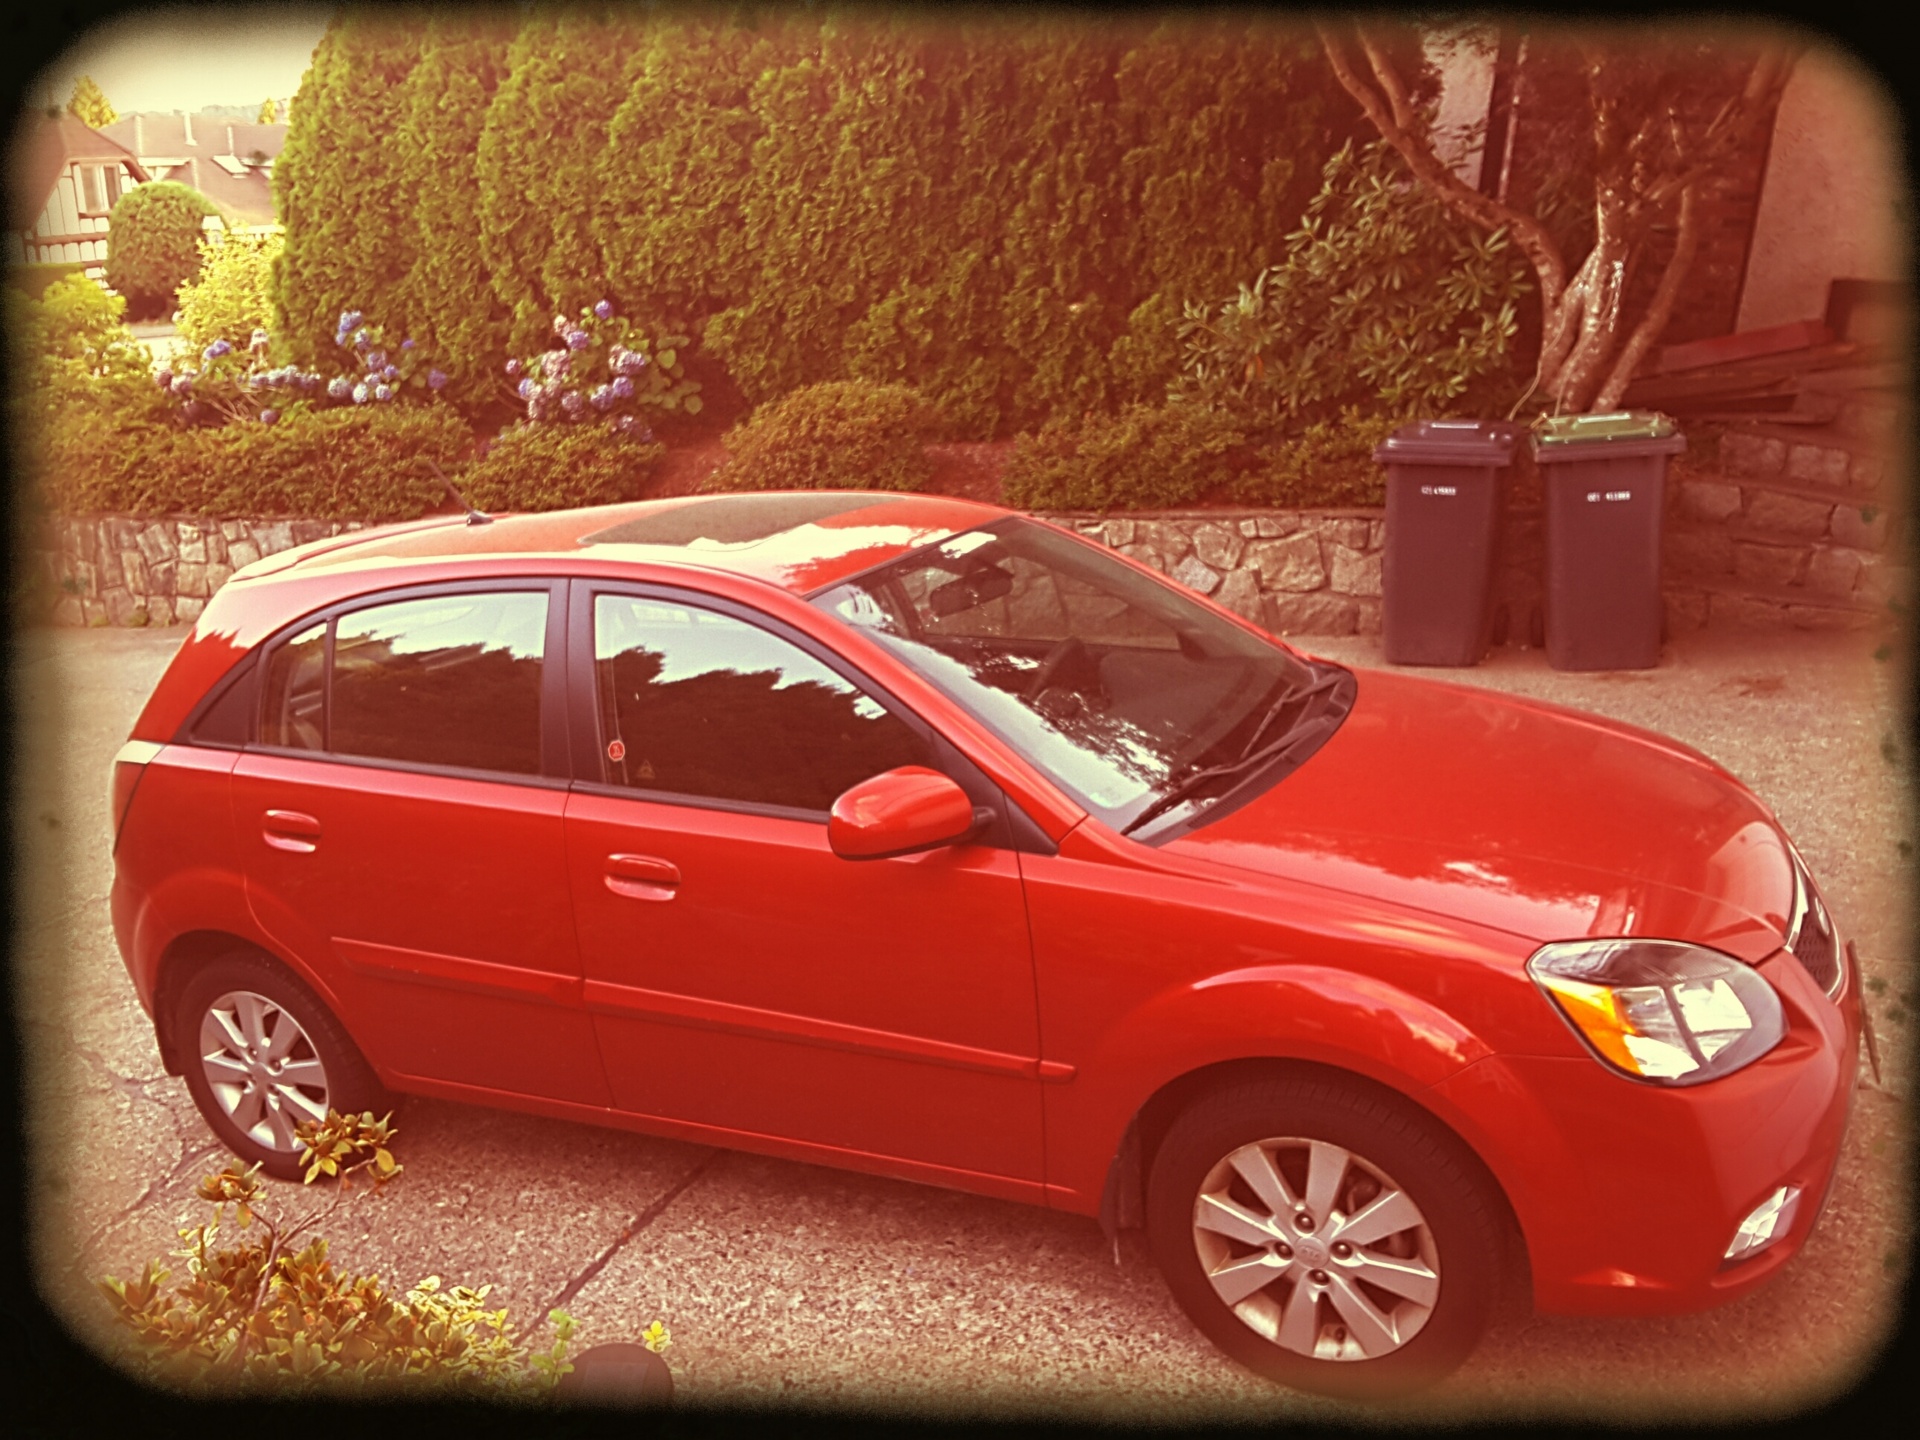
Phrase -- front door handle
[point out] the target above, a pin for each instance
(642, 877)
(290, 830)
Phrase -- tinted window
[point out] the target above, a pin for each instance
(295, 715)
(694, 703)
(451, 680)
(1116, 684)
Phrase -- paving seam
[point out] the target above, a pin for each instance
(633, 1227)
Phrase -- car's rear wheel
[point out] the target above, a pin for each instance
(1325, 1237)
(262, 1054)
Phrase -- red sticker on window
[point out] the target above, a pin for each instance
(616, 751)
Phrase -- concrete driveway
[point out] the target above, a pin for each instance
(793, 1286)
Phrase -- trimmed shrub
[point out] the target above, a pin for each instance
(557, 467)
(1161, 457)
(342, 185)
(359, 463)
(232, 296)
(849, 434)
(153, 244)
(448, 301)
(1147, 457)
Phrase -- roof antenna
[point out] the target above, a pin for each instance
(474, 517)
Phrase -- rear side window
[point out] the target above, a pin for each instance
(700, 704)
(444, 680)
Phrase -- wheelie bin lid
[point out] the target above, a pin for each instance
(1639, 432)
(1450, 442)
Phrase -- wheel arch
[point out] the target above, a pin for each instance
(1123, 1197)
(188, 953)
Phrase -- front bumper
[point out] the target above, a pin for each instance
(1628, 1193)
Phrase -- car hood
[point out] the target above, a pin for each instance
(1547, 823)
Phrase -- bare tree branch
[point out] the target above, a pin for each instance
(1659, 309)
(1482, 210)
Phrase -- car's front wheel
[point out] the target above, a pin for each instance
(262, 1054)
(1323, 1236)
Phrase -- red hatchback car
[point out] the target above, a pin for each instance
(910, 835)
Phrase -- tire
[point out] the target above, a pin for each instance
(1344, 1153)
(237, 1010)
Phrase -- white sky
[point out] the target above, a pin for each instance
(185, 59)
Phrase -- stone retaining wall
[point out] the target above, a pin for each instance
(122, 570)
(1294, 572)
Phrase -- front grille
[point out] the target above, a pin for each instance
(1814, 943)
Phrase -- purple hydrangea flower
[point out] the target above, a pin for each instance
(601, 398)
(350, 320)
(406, 344)
(513, 368)
(182, 385)
(556, 363)
(383, 392)
(216, 350)
(376, 359)
(339, 387)
(267, 417)
(604, 309)
(436, 379)
(578, 339)
(361, 393)
(361, 339)
(624, 425)
(390, 374)
(622, 388)
(527, 387)
(561, 324)
(572, 403)
(164, 379)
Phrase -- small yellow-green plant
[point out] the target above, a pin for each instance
(271, 1311)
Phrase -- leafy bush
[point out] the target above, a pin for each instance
(153, 244)
(556, 467)
(32, 280)
(351, 463)
(841, 433)
(598, 367)
(232, 295)
(271, 1311)
(1147, 457)
(1383, 303)
(1150, 458)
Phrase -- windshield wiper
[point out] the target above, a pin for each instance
(1308, 728)
(1325, 682)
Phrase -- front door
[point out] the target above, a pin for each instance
(402, 821)
(741, 975)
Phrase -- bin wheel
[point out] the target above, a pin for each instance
(1537, 628)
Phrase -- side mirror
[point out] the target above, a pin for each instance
(898, 813)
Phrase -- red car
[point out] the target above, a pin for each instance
(909, 835)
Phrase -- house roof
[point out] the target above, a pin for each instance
(212, 155)
(45, 146)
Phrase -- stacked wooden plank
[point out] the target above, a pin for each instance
(1798, 374)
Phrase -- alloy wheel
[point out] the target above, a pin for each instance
(262, 1069)
(1316, 1250)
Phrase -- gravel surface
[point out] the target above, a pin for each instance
(791, 1286)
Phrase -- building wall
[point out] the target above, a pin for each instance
(1834, 204)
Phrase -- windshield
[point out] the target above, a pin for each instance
(1115, 684)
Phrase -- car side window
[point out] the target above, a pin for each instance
(700, 704)
(442, 680)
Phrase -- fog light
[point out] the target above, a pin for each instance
(1770, 1219)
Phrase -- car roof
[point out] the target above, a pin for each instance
(800, 541)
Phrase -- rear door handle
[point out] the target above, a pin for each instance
(290, 830)
(642, 877)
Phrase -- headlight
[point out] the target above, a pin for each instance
(1660, 1010)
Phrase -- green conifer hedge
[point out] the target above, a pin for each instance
(1004, 211)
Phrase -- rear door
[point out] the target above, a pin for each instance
(401, 814)
(741, 975)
